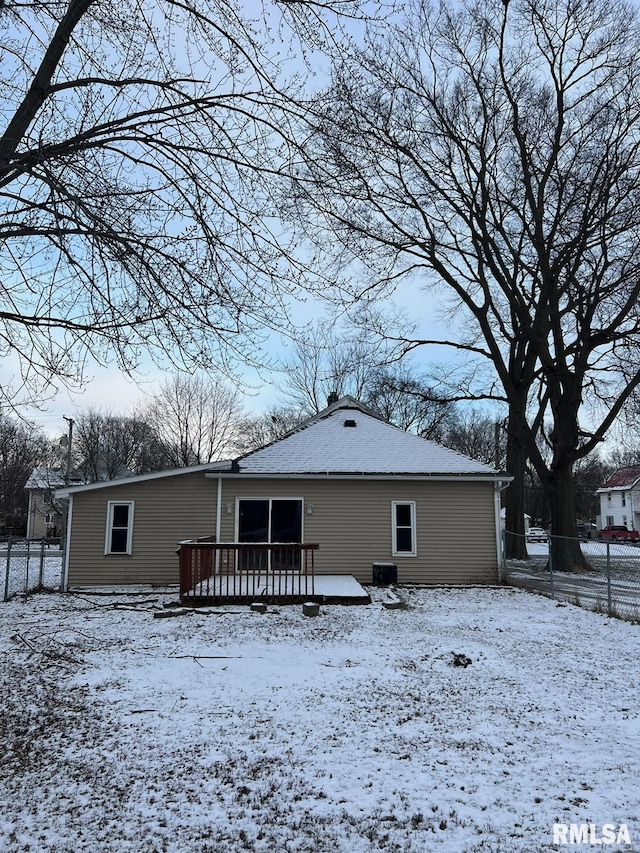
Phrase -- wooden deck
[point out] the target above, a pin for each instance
(273, 573)
(236, 572)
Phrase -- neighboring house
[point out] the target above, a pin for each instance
(620, 499)
(361, 489)
(45, 515)
(44, 518)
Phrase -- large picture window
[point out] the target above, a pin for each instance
(403, 523)
(272, 520)
(119, 527)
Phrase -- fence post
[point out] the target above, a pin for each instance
(26, 573)
(6, 577)
(41, 575)
(609, 605)
(551, 591)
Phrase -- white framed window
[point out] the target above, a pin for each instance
(403, 529)
(624, 499)
(119, 533)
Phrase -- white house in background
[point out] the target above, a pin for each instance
(620, 499)
(44, 519)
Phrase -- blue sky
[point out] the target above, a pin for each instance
(109, 389)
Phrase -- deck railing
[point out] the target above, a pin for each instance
(216, 572)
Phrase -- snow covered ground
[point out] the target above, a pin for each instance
(353, 731)
(593, 548)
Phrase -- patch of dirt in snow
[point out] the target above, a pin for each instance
(354, 731)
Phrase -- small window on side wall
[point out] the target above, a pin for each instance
(403, 521)
(119, 527)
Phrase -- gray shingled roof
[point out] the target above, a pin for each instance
(347, 439)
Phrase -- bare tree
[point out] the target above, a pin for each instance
(476, 435)
(22, 448)
(254, 431)
(589, 474)
(408, 401)
(327, 362)
(107, 446)
(621, 456)
(493, 151)
(195, 418)
(136, 144)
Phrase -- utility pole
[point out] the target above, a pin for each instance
(67, 476)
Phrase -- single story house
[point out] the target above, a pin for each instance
(620, 499)
(346, 483)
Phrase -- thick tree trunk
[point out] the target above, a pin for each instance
(564, 547)
(514, 540)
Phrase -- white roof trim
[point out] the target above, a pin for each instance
(497, 477)
(627, 487)
(141, 478)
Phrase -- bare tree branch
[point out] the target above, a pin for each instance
(136, 205)
(494, 150)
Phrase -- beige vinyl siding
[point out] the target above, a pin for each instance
(351, 521)
(166, 511)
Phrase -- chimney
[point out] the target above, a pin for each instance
(332, 398)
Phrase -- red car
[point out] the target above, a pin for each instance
(618, 533)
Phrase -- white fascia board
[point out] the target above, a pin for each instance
(140, 478)
(477, 478)
(626, 488)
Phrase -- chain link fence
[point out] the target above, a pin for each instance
(604, 576)
(29, 565)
